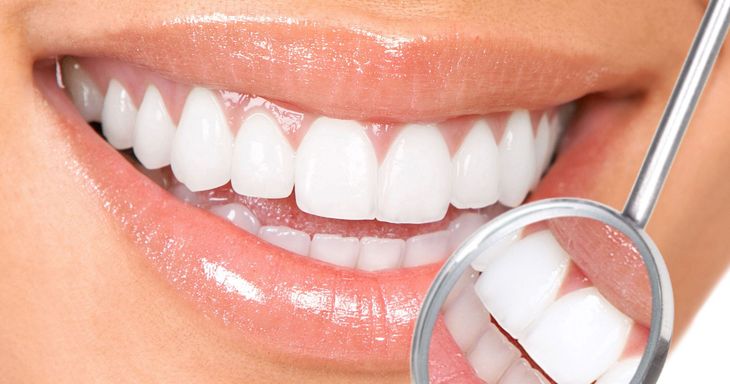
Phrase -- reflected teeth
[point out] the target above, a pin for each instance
(492, 355)
(340, 169)
(202, 149)
(621, 373)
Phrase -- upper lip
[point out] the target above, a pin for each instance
(361, 72)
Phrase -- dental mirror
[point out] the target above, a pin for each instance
(566, 290)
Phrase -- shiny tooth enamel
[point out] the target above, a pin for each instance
(378, 254)
(203, 144)
(263, 159)
(520, 283)
(542, 147)
(520, 372)
(239, 215)
(621, 372)
(290, 239)
(154, 131)
(85, 94)
(118, 116)
(516, 159)
(492, 355)
(336, 171)
(335, 249)
(426, 249)
(475, 168)
(181, 192)
(462, 227)
(466, 319)
(414, 183)
(481, 263)
(578, 337)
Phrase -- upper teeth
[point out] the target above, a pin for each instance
(335, 170)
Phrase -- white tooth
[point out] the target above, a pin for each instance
(377, 254)
(84, 93)
(336, 171)
(462, 227)
(239, 215)
(287, 238)
(466, 319)
(153, 131)
(467, 279)
(415, 178)
(476, 169)
(520, 283)
(492, 355)
(202, 148)
(621, 373)
(426, 249)
(335, 249)
(118, 116)
(263, 159)
(520, 372)
(578, 337)
(482, 261)
(516, 159)
(542, 147)
(183, 193)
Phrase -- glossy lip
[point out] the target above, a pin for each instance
(281, 302)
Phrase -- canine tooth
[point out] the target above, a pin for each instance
(202, 148)
(492, 355)
(335, 249)
(415, 178)
(516, 159)
(336, 171)
(426, 249)
(476, 169)
(287, 238)
(239, 215)
(263, 159)
(117, 116)
(462, 227)
(578, 337)
(153, 131)
(466, 319)
(621, 372)
(520, 372)
(84, 93)
(377, 254)
(482, 261)
(524, 280)
(542, 147)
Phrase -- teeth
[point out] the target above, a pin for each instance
(520, 372)
(378, 254)
(578, 337)
(466, 319)
(481, 263)
(334, 249)
(202, 148)
(153, 131)
(492, 355)
(464, 226)
(621, 373)
(287, 238)
(84, 93)
(118, 116)
(520, 283)
(426, 249)
(415, 177)
(263, 160)
(466, 280)
(336, 171)
(475, 169)
(543, 148)
(181, 192)
(239, 215)
(516, 159)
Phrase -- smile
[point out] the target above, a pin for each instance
(307, 202)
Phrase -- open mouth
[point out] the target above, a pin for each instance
(314, 227)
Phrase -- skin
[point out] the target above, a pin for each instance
(80, 306)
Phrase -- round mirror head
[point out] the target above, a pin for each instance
(558, 291)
